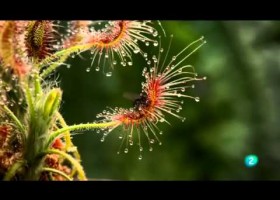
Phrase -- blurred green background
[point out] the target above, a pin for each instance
(238, 113)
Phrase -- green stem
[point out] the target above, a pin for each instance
(60, 57)
(57, 172)
(74, 162)
(29, 100)
(53, 66)
(68, 142)
(38, 89)
(19, 124)
(67, 133)
(12, 170)
(58, 132)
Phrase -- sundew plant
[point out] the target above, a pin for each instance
(35, 140)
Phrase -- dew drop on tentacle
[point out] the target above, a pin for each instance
(140, 148)
(126, 150)
(109, 74)
(137, 50)
(155, 33)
